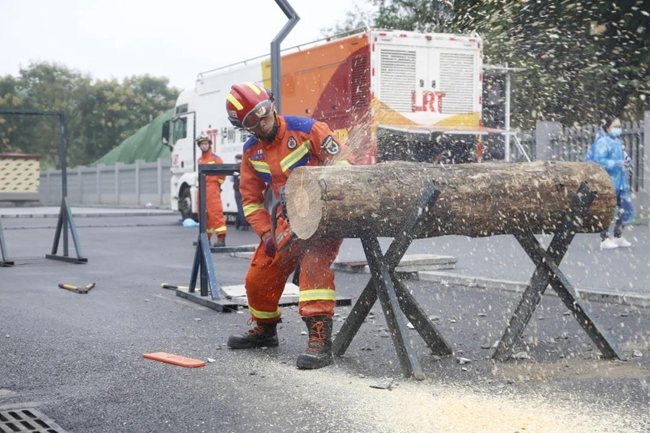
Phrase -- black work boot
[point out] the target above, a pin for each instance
(262, 335)
(220, 242)
(319, 347)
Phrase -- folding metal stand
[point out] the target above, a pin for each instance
(66, 221)
(65, 215)
(5, 262)
(203, 268)
(548, 271)
(393, 295)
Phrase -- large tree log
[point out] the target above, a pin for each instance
(475, 199)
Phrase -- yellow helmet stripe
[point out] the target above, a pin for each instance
(234, 101)
(254, 88)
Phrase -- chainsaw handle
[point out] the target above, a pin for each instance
(274, 218)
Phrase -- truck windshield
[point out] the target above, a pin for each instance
(180, 129)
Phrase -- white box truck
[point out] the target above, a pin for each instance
(388, 94)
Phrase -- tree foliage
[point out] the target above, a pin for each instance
(584, 59)
(99, 114)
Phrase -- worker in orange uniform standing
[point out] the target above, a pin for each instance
(215, 222)
(278, 145)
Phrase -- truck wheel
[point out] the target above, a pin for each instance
(185, 204)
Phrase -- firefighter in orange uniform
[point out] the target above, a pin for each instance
(278, 145)
(215, 222)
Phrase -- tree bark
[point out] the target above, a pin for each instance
(475, 199)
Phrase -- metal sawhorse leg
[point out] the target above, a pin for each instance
(203, 267)
(4, 258)
(393, 295)
(548, 271)
(203, 257)
(64, 222)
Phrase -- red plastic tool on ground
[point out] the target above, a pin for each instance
(174, 359)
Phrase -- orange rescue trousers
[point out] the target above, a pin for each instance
(267, 276)
(215, 221)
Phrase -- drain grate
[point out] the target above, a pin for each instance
(27, 420)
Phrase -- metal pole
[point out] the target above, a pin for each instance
(276, 72)
(507, 115)
(63, 160)
(63, 156)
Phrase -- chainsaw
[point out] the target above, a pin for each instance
(280, 228)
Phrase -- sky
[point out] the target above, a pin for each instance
(176, 39)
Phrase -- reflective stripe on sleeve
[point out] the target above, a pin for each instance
(263, 170)
(261, 167)
(250, 208)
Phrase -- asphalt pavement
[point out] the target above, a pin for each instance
(77, 358)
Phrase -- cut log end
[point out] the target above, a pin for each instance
(306, 205)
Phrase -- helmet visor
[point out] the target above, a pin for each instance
(261, 110)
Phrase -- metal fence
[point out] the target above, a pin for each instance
(121, 184)
(526, 140)
(149, 182)
(572, 144)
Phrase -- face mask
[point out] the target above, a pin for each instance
(616, 132)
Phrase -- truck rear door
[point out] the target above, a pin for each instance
(426, 78)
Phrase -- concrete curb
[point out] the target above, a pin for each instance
(598, 295)
(634, 299)
(90, 215)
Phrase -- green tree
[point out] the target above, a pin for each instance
(113, 111)
(99, 114)
(44, 87)
(360, 16)
(9, 99)
(584, 59)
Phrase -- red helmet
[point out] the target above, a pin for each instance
(247, 103)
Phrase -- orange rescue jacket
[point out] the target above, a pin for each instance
(299, 141)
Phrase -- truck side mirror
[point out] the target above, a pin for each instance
(165, 133)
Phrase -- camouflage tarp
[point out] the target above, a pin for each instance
(145, 144)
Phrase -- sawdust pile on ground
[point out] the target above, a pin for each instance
(418, 407)
(433, 408)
